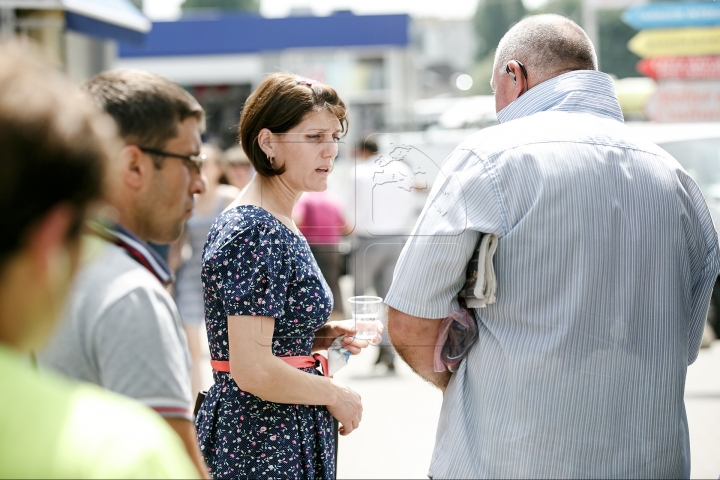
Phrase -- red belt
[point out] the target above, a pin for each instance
(297, 362)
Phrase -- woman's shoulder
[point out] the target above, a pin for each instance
(250, 224)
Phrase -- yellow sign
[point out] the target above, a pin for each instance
(676, 42)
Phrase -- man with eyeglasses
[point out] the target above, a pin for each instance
(606, 260)
(121, 329)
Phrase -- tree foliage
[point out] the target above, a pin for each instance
(242, 5)
(571, 9)
(613, 36)
(492, 19)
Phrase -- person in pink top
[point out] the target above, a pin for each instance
(319, 216)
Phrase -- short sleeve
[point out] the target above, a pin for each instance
(705, 263)
(142, 353)
(431, 270)
(254, 271)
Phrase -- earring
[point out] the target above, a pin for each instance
(271, 160)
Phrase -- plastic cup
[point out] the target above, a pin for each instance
(366, 314)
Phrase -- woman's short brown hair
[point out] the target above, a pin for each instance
(279, 104)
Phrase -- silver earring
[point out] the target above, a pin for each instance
(271, 160)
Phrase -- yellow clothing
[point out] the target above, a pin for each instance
(52, 428)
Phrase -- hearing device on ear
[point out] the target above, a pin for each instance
(522, 67)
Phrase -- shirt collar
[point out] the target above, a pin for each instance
(580, 91)
(136, 248)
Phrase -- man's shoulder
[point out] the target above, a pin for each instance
(112, 277)
(555, 127)
(114, 298)
(113, 262)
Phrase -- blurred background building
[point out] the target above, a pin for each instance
(401, 65)
(221, 56)
(78, 36)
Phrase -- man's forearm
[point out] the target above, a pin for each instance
(186, 431)
(414, 340)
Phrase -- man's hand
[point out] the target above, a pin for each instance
(331, 330)
(414, 340)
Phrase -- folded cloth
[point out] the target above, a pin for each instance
(458, 331)
(481, 285)
(338, 356)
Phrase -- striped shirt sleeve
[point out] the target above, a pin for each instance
(431, 269)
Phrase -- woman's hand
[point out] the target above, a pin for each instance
(331, 330)
(347, 408)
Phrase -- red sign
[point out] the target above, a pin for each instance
(685, 102)
(690, 68)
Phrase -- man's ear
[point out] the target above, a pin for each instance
(134, 166)
(521, 83)
(266, 140)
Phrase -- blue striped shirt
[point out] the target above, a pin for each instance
(606, 260)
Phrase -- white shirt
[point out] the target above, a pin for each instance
(383, 197)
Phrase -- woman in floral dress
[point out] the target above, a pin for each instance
(266, 300)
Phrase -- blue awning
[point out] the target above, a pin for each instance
(117, 19)
(230, 33)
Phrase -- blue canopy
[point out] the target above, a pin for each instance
(226, 33)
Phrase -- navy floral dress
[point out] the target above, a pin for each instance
(254, 265)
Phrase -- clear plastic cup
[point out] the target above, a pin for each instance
(366, 315)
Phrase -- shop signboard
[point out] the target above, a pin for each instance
(678, 101)
(676, 68)
(677, 42)
(669, 15)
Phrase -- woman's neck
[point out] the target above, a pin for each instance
(273, 195)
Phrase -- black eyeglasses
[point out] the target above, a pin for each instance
(522, 67)
(197, 161)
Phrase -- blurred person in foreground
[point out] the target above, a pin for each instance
(270, 412)
(188, 286)
(122, 330)
(237, 167)
(54, 147)
(606, 260)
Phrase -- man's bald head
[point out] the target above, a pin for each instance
(548, 45)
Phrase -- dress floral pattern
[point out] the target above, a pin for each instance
(254, 265)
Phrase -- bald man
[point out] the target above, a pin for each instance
(606, 260)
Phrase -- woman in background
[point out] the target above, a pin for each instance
(319, 216)
(188, 286)
(236, 167)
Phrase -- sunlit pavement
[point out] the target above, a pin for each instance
(397, 433)
(702, 400)
(400, 413)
